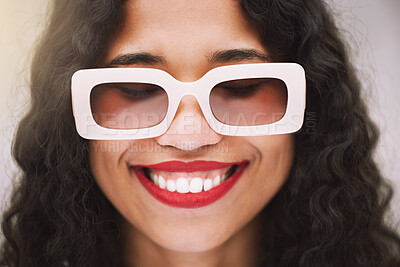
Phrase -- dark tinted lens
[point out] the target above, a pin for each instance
(249, 102)
(128, 105)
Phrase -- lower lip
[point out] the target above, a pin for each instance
(190, 200)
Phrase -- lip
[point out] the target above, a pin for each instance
(192, 166)
(189, 200)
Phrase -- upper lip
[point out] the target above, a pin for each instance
(192, 166)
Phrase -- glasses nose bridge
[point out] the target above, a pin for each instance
(182, 89)
(188, 89)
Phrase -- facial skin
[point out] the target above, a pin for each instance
(185, 34)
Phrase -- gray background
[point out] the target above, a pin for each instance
(372, 27)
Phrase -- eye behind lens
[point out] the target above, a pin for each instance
(249, 102)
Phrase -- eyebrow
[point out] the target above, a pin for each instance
(226, 56)
(220, 56)
(136, 58)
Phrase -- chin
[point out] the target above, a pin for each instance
(200, 241)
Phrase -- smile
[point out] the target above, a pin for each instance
(189, 184)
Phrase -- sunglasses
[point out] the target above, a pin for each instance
(237, 100)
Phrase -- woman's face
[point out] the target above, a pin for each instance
(185, 34)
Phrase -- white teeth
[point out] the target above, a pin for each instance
(196, 185)
(161, 182)
(171, 185)
(217, 181)
(155, 179)
(208, 184)
(182, 185)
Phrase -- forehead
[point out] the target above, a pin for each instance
(184, 33)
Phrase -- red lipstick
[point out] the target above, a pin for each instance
(189, 200)
(180, 166)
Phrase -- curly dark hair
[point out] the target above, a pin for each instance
(330, 212)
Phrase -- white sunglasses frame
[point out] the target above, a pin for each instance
(291, 73)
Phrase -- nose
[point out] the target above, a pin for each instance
(189, 129)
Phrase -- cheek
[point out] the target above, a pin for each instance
(109, 171)
(275, 151)
(104, 155)
(273, 164)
